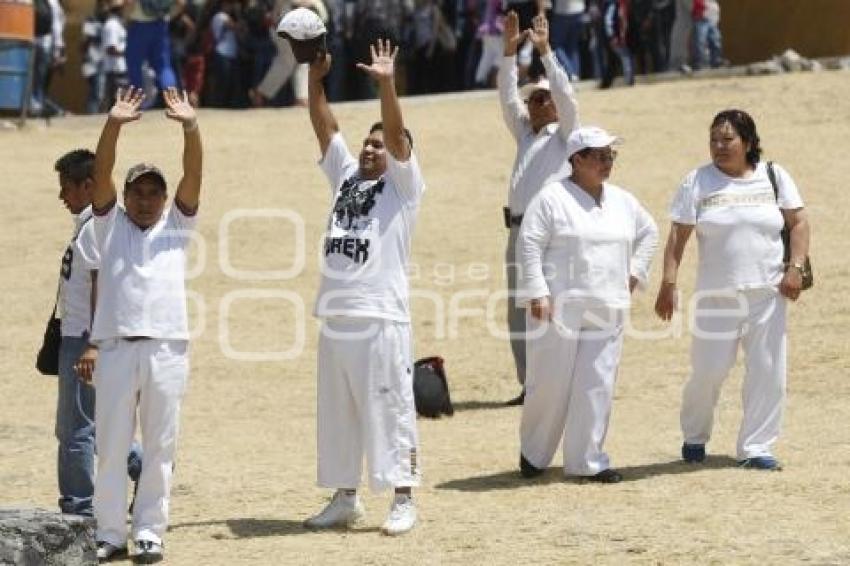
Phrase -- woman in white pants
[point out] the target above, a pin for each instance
(584, 245)
(742, 285)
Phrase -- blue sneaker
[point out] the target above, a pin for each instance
(693, 453)
(760, 463)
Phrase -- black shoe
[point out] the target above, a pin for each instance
(517, 401)
(527, 470)
(607, 476)
(693, 453)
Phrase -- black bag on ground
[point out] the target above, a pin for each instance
(431, 389)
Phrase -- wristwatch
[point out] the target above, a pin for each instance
(800, 266)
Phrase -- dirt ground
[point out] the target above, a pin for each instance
(246, 462)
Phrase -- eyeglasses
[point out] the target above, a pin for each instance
(602, 155)
(538, 97)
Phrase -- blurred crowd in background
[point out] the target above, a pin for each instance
(226, 53)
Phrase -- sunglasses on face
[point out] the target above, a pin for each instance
(606, 155)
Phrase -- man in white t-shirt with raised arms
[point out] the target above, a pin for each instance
(365, 388)
(140, 327)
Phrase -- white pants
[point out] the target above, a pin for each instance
(365, 396)
(756, 320)
(572, 367)
(491, 54)
(680, 35)
(149, 375)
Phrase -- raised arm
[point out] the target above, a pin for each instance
(514, 111)
(126, 109)
(382, 70)
(562, 91)
(665, 303)
(189, 188)
(323, 120)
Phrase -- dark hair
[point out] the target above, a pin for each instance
(583, 152)
(77, 165)
(744, 124)
(379, 127)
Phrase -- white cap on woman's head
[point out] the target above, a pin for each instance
(589, 136)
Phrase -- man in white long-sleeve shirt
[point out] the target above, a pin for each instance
(540, 121)
(584, 245)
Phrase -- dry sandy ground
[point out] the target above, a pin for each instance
(246, 462)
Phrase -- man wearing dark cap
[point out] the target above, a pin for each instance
(540, 118)
(140, 327)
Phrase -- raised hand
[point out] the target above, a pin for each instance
(127, 104)
(539, 33)
(177, 107)
(320, 67)
(383, 61)
(513, 38)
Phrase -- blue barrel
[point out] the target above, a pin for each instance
(14, 73)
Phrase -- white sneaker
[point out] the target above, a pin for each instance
(402, 516)
(344, 510)
(147, 552)
(106, 551)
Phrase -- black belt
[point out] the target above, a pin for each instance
(511, 219)
(135, 338)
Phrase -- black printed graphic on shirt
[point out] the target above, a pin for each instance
(67, 259)
(354, 203)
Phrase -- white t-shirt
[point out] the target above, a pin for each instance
(114, 35)
(738, 225)
(141, 288)
(579, 252)
(75, 283)
(225, 37)
(569, 7)
(93, 35)
(367, 243)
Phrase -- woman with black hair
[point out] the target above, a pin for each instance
(742, 285)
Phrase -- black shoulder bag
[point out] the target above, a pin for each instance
(806, 271)
(47, 361)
